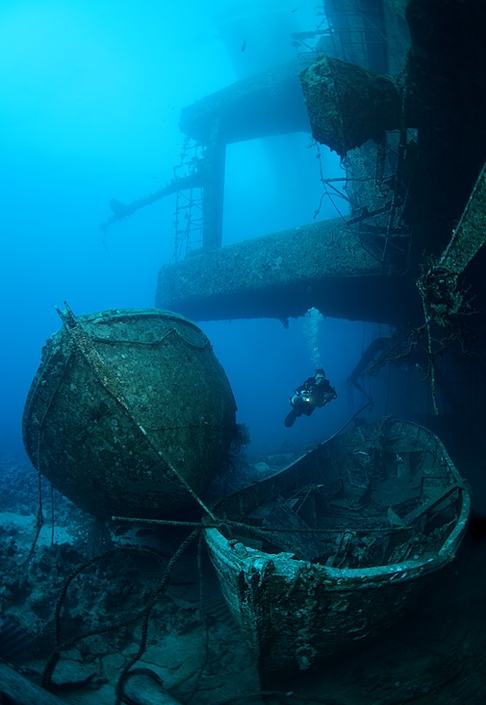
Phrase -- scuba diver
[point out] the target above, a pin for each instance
(315, 391)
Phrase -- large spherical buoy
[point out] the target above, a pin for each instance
(127, 409)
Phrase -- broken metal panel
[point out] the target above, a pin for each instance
(470, 234)
(444, 299)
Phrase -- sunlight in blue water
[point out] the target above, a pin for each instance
(90, 106)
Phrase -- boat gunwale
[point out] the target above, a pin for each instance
(343, 578)
(349, 578)
(117, 315)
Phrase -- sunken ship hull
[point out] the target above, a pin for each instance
(383, 505)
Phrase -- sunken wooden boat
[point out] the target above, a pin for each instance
(338, 542)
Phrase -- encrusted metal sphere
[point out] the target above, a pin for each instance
(126, 407)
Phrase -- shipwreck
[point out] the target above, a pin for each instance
(397, 89)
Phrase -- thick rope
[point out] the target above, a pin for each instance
(231, 523)
(147, 613)
(39, 520)
(204, 621)
(62, 646)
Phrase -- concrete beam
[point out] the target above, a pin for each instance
(324, 264)
(269, 103)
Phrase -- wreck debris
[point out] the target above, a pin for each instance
(439, 286)
(144, 614)
(15, 688)
(375, 355)
(443, 298)
(120, 211)
(387, 507)
(347, 104)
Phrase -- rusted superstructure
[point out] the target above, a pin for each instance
(397, 87)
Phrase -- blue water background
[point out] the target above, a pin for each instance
(89, 109)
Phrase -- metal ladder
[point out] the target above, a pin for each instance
(188, 215)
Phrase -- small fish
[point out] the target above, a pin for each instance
(243, 45)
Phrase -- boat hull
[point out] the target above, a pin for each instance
(295, 613)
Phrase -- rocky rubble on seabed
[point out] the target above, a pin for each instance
(435, 655)
(201, 659)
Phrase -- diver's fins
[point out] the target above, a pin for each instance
(290, 418)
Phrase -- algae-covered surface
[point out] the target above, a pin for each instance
(324, 264)
(107, 418)
(434, 656)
